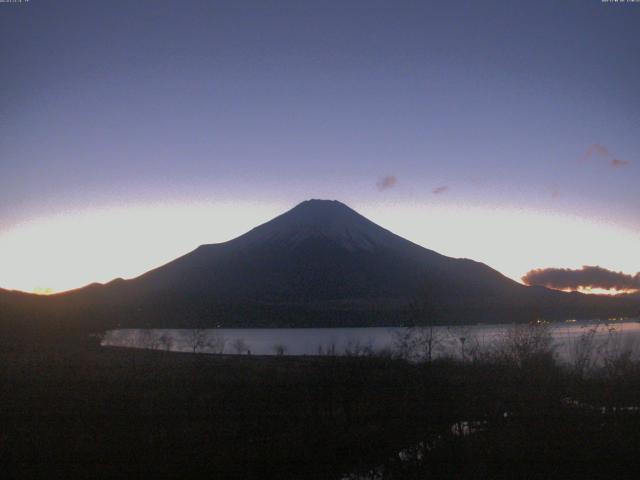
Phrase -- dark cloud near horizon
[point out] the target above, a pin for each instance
(387, 182)
(586, 277)
(440, 190)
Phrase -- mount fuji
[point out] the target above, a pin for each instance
(319, 264)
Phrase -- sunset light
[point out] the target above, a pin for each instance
(298, 239)
(74, 249)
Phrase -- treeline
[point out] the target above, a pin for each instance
(102, 307)
(511, 411)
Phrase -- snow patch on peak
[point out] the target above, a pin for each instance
(327, 220)
(350, 239)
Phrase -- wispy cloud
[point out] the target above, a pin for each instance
(440, 190)
(555, 192)
(586, 277)
(596, 149)
(600, 152)
(387, 182)
(615, 163)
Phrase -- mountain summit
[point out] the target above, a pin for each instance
(319, 264)
(318, 251)
(328, 220)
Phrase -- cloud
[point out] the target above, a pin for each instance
(615, 163)
(387, 182)
(596, 149)
(603, 153)
(440, 190)
(586, 277)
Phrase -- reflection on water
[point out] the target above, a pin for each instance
(339, 341)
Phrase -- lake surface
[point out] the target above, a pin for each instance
(452, 340)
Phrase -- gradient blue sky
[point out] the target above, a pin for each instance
(519, 105)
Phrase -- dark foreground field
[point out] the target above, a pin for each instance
(88, 412)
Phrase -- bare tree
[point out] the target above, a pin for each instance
(525, 343)
(197, 339)
(404, 343)
(239, 345)
(201, 340)
(280, 349)
(328, 350)
(422, 336)
(464, 339)
(216, 342)
(166, 341)
(585, 351)
(429, 339)
(149, 339)
(418, 342)
(619, 354)
(356, 348)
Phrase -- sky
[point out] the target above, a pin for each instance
(132, 132)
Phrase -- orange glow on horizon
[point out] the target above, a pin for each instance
(599, 291)
(43, 291)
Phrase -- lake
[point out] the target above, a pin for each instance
(452, 340)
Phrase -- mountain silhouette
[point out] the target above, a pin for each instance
(319, 251)
(319, 264)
